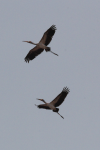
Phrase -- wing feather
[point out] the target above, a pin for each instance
(47, 36)
(33, 53)
(44, 106)
(60, 98)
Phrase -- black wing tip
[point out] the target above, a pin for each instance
(27, 59)
(53, 27)
(38, 106)
(66, 89)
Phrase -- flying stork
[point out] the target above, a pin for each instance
(38, 49)
(56, 102)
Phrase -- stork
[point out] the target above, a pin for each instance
(39, 48)
(56, 102)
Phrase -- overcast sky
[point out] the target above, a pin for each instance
(77, 42)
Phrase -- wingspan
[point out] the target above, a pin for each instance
(47, 37)
(33, 53)
(60, 98)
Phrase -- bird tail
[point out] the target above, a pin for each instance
(48, 49)
(57, 109)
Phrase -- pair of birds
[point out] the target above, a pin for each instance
(38, 49)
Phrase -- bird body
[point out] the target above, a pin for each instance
(41, 45)
(47, 105)
(56, 102)
(52, 107)
(39, 48)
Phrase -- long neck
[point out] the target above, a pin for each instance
(44, 101)
(34, 43)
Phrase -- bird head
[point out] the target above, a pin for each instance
(28, 42)
(41, 100)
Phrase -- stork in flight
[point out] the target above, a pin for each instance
(46, 39)
(56, 102)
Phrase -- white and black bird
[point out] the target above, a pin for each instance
(38, 49)
(56, 102)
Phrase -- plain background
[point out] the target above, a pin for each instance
(77, 42)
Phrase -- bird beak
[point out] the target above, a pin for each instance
(39, 99)
(29, 42)
(26, 41)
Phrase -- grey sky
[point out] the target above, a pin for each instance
(77, 41)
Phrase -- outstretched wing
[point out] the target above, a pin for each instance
(47, 36)
(44, 106)
(60, 98)
(33, 53)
